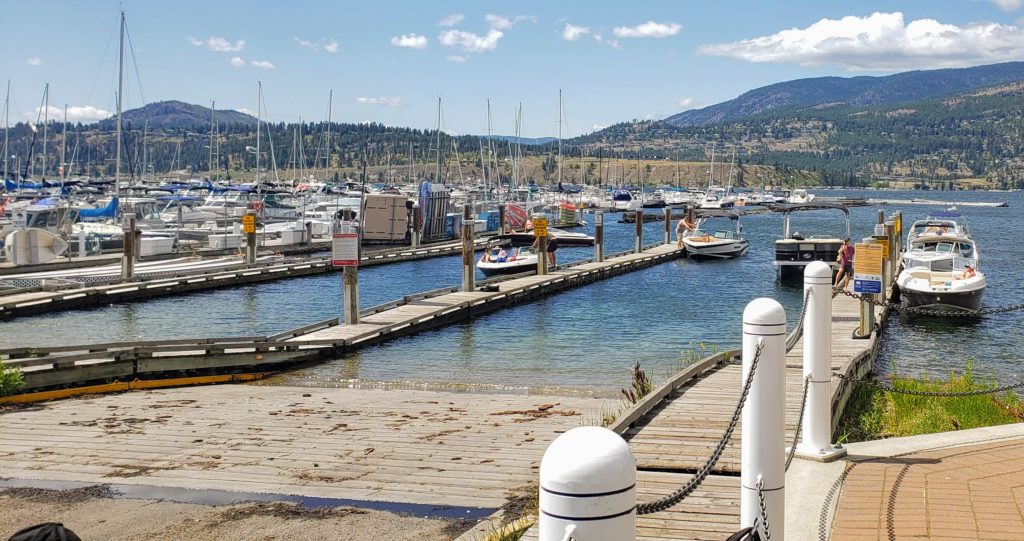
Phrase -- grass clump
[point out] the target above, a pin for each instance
(11, 380)
(695, 352)
(640, 386)
(873, 414)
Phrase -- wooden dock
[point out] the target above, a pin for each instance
(47, 367)
(23, 301)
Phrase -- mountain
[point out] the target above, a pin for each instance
(528, 141)
(855, 91)
(178, 115)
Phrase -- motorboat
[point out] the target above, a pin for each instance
(717, 197)
(800, 196)
(937, 224)
(565, 238)
(497, 261)
(935, 284)
(722, 244)
(622, 200)
(795, 250)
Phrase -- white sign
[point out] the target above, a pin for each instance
(20, 219)
(345, 246)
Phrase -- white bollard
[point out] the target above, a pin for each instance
(816, 435)
(588, 487)
(764, 415)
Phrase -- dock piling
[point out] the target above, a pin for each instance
(350, 281)
(764, 415)
(599, 236)
(501, 219)
(468, 270)
(417, 221)
(639, 231)
(816, 435)
(668, 224)
(129, 249)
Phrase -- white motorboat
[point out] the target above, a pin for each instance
(498, 261)
(722, 244)
(800, 196)
(624, 200)
(934, 285)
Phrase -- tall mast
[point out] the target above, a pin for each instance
(213, 124)
(330, 106)
(259, 110)
(120, 87)
(46, 120)
(559, 136)
(7, 127)
(64, 143)
(438, 162)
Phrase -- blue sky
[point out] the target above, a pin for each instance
(388, 61)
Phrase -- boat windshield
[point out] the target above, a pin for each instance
(720, 234)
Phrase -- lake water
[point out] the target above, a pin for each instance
(585, 340)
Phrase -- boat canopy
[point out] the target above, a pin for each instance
(108, 211)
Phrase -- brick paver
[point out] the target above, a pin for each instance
(974, 492)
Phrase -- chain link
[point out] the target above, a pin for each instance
(947, 394)
(799, 422)
(798, 330)
(764, 510)
(682, 492)
(930, 312)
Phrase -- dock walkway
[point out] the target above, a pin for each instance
(672, 432)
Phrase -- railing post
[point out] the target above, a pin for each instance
(668, 225)
(639, 231)
(816, 434)
(764, 415)
(468, 270)
(599, 236)
(587, 487)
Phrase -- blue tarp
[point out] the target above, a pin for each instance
(105, 212)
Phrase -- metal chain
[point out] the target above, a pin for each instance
(798, 330)
(930, 312)
(764, 510)
(682, 492)
(891, 389)
(799, 422)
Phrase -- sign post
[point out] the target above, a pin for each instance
(867, 280)
(599, 236)
(345, 254)
(128, 254)
(249, 228)
(468, 269)
(540, 230)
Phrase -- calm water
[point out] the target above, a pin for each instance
(583, 340)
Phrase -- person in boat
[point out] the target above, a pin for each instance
(968, 272)
(684, 226)
(845, 260)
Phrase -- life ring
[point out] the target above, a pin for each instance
(255, 205)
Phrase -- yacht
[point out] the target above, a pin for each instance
(942, 284)
(800, 196)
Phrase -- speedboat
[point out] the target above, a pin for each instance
(497, 261)
(933, 285)
(722, 244)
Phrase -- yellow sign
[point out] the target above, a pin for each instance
(867, 262)
(885, 247)
(540, 227)
(248, 223)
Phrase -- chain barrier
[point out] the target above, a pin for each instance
(930, 312)
(682, 492)
(764, 510)
(945, 394)
(799, 422)
(798, 330)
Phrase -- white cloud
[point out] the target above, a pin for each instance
(246, 111)
(390, 102)
(457, 59)
(412, 41)
(78, 113)
(34, 61)
(574, 33)
(221, 45)
(649, 29)
(501, 22)
(881, 41)
(1008, 5)
(686, 102)
(597, 127)
(195, 41)
(236, 61)
(470, 42)
(451, 20)
(262, 64)
(325, 44)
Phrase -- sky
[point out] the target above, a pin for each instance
(389, 61)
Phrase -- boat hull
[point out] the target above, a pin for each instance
(945, 301)
(491, 268)
(716, 250)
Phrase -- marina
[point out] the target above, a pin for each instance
(386, 292)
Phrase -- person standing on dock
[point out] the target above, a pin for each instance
(684, 226)
(552, 246)
(845, 259)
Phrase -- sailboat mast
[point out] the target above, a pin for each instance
(259, 110)
(46, 120)
(438, 147)
(7, 128)
(64, 142)
(120, 88)
(330, 107)
(559, 136)
(213, 124)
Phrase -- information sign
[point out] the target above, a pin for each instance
(540, 226)
(867, 268)
(248, 223)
